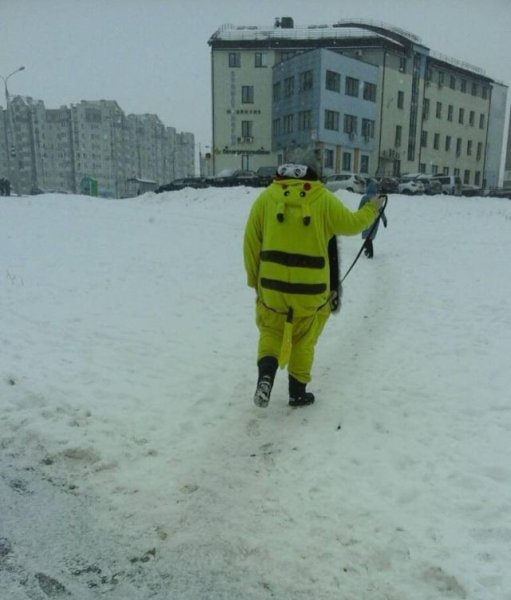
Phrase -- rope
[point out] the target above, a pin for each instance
(373, 227)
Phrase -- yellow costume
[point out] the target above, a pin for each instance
(286, 260)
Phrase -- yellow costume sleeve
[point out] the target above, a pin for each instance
(252, 242)
(342, 221)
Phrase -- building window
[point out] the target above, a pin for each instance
(469, 147)
(458, 146)
(329, 159)
(402, 64)
(304, 120)
(398, 136)
(247, 94)
(346, 161)
(463, 85)
(479, 151)
(436, 141)
(475, 89)
(466, 176)
(364, 163)
(440, 78)
(477, 178)
(276, 91)
(368, 128)
(259, 60)
(434, 169)
(333, 81)
(234, 60)
(305, 81)
(456, 172)
(450, 112)
(484, 91)
(424, 139)
(332, 120)
(447, 143)
(350, 124)
(461, 116)
(425, 109)
(246, 129)
(276, 129)
(287, 124)
(400, 99)
(289, 86)
(369, 92)
(481, 121)
(438, 110)
(471, 118)
(452, 82)
(351, 86)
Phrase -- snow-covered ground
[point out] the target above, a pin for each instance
(135, 466)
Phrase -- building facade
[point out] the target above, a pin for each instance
(370, 98)
(58, 149)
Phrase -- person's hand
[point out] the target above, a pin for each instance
(377, 202)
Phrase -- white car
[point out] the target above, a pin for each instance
(345, 181)
(410, 187)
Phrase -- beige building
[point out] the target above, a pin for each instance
(433, 114)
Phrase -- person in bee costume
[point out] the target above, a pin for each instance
(286, 259)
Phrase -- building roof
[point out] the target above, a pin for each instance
(345, 33)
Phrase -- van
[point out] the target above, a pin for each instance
(451, 184)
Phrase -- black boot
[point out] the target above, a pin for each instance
(369, 251)
(297, 394)
(267, 368)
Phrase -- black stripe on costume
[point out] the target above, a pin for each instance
(293, 260)
(293, 288)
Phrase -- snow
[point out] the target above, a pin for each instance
(134, 464)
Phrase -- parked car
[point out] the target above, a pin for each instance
(231, 178)
(431, 186)
(180, 184)
(451, 184)
(266, 175)
(499, 193)
(387, 185)
(410, 187)
(345, 181)
(471, 190)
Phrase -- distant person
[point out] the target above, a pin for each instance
(370, 233)
(287, 235)
(3, 188)
(7, 186)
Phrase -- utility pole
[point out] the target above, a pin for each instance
(11, 137)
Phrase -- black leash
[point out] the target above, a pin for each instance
(371, 231)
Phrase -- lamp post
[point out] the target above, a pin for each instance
(11, 143)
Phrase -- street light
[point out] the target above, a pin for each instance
(11, 147)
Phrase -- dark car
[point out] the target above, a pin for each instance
(266, 175)
(387, 185)
(180, 184)
(235, 178)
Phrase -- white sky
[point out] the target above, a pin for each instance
(152, 55)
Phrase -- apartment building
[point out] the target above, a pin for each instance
(371, 98)
(507, 164)
(57, 149)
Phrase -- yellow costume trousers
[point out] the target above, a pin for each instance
(305, 334)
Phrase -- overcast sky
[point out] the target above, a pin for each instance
(152, 56)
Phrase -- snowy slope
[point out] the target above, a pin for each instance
(134, 464)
